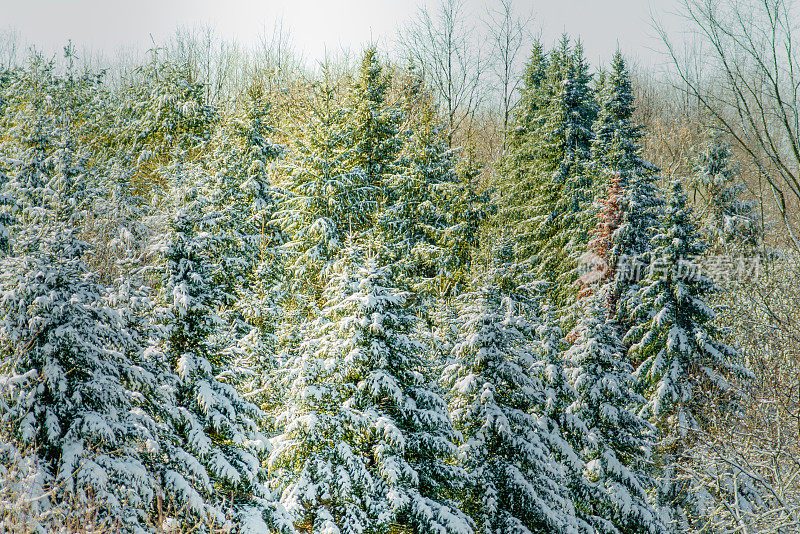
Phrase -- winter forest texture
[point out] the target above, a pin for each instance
(320, 304)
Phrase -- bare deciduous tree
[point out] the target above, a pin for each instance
(10, 43)
(509, 35)
(214, 62)
(442, 44)
(754, 64)
(744, 468)
(276, 58)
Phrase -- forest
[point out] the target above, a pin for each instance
(426, 288)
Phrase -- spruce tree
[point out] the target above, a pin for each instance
(615, 145)
(727, 222)
(210, 442)
(617, 161)
(682, 361)
(498, 402)
(326, 201)
(566, 431)
(160, 112)
(533, 98)
(376, 125)
(5, 218)
(684, 365)
(244, 254)
(428, 226)
(549, 204)
(616, 447)
(517, 179)
(45, 145)
(366, 441)
(72, 387)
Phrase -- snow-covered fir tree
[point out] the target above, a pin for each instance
(326, 200)
(367, 442)
(566, 431)
(77, 106)
(70, 387)
(428, 227)
(5, 218)
(429, 223)
(510, 448)
(42, 144)
(617, 162)
(118, 224)
(376, 124)
(244, 254)
(549, 202)
(70, 381)
(160, 111)
(684, 366)
(210, 443)
(241, 199)
(615, 145)
(533, 99)
(682, 359)
(616, 448)
(726, 221)
(516, 176)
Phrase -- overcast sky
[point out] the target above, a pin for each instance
(317, 25)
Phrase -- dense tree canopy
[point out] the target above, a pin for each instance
(307, 306)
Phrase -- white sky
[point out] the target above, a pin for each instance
(108, 25)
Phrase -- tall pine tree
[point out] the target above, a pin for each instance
(549, 196)
(684, 365)
(617, 161)
(72, 387)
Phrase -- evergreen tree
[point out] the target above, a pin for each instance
(566, 430)
(497, 402)
(70, 389)
(71, 384)
(126, 408)
(327, 202)
(160, 113)
(5, 218)
(617, 444)
(52, 176)
(241, 199)
(598, 275)
(71, 114)
(616, 155)
(549, 199)
(366, 440)
(120, 226)
(615, 145)
(376, 125)
(429, 224)
(517, 187)
(244, 254)
(682, 360)
(210, 443)
(684, 366)
(533, 98)
(726, 221)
